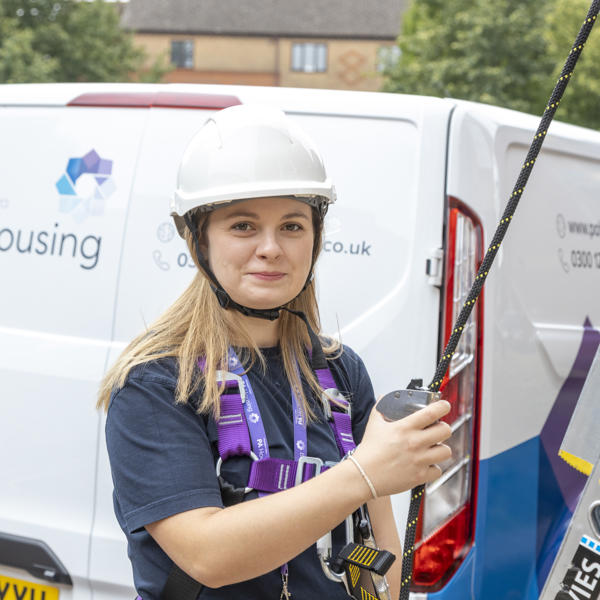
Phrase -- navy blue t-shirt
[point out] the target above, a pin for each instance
(163, 458)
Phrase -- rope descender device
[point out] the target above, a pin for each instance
(357, 558)
(400, 403)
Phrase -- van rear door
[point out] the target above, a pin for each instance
(541, 332)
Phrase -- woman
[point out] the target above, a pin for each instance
(232, 394)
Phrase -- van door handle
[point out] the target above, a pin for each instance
(33, 556)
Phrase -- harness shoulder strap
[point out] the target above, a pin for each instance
(180, 586)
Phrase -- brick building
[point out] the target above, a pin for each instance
(336, 44)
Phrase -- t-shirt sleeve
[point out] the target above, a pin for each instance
(160, 455)
(360, 392)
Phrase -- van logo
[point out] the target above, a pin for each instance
(165, 232)
(85, 185)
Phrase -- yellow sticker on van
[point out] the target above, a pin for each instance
(17, 589)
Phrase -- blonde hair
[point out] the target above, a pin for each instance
(195, 325)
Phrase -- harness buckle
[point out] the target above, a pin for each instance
(307, 460)
(333, 395)
(254, 458)
(225, 376)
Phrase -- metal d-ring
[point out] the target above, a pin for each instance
(254, 458)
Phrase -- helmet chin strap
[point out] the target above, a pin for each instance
(318, 360)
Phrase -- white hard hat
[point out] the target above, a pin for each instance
(249, 151)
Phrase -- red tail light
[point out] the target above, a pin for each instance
(448, 509)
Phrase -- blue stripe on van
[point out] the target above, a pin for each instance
(505, 534)
(525, 501)
(499, 565)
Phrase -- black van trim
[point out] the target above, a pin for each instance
(34, 556)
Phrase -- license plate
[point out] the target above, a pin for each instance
(17, 589)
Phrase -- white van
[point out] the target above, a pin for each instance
(89, 256)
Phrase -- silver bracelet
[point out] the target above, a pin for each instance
(362, 472)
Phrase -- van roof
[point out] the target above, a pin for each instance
(296, 100)
(300, 100)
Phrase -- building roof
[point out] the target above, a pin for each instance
(374, 19)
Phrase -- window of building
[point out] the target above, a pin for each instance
(309, 57)
(387, 57)
(182, 53)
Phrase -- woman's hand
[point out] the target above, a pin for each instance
(399, 455)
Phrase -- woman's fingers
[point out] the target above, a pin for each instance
(437, 454)
(433, 472)
(429, 415)
(434, 434)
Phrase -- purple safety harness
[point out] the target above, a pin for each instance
(241, 433)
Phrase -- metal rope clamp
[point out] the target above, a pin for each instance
(401, 403)
(355, 557)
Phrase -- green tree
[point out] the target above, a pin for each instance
(68, 40)
(18, 60)
(582, 98)
(492, 52)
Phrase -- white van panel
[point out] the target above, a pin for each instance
(59, 252)
(563, 207)
(59, 255)
(373, 219)
(155, 269)
(538, 293)
(156, 266)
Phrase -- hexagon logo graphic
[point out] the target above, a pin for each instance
(85, 185)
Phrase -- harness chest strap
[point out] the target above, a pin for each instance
(276, 474)
(240, 431)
